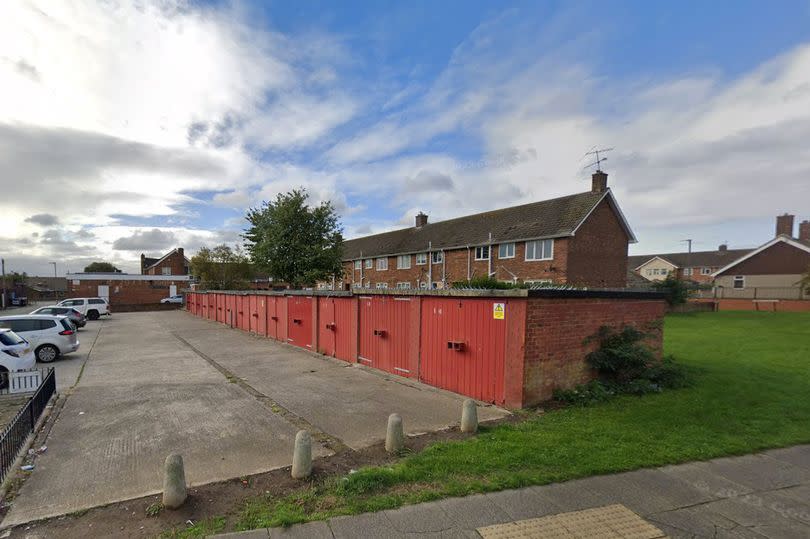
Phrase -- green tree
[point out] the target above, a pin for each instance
(295, 243)
(221, 268)
(101, 267)
(804, 282)
(675, 289)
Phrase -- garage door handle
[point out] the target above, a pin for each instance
(255, 315)
(458, 346)
(379, 332)
(274, 318)
(296, 320)
(330, 326)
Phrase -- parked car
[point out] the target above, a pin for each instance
(173, 299)
(78, 319)
(92, 308)
(49, 336)
(15, 355)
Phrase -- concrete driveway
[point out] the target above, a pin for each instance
(229, 402)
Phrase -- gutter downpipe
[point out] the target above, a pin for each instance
(430, 265)
(489, 261)
(468, 263)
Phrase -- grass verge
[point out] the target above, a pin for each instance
(750, 393)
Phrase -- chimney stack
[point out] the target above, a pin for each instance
(804, 230)
(599, 182)
(723, 247)
(784, 225)
(421, 220)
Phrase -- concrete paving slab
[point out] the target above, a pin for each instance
(473, 512)
(310, 530)
(524, 503)
(360, 401)
(759, 472)
(797, 456)
(699, 476)
(365, 525)
(263, 533)
(131, 409)
(418, 519)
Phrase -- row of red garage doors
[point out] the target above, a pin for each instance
(457, 344)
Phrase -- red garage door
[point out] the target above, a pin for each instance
(221, 308)
(271, 314)
(463, 345)
(385, 328)
(336, 329)
(243, 312)
(299, 321)
(253, 302)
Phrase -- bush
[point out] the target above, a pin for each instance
(584, 395)
(621, 356)
(676, 291)
(486, 283)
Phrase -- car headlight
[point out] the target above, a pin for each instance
(15, 353)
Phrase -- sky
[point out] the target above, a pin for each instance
(136, 127)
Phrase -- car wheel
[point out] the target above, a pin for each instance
(47, 353)
(4, 378)
(92, 315)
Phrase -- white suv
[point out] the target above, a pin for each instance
(49, 336)
(92, 308)
(15, 355)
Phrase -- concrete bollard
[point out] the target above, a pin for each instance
(174, 482)
(302, 455)
(469, 416)
(395, 435)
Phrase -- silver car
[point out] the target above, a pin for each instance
(49, 336)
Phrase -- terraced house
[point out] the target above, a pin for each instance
(579, 239)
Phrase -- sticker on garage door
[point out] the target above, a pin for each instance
(498, 311)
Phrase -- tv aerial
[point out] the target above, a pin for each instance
(599, 159)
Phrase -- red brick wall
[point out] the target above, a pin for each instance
(175, 261)
(598, 252)
(125, 292)
(557, 328)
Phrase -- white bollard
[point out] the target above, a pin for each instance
(395, 435)
(302, 455)
(174, 482)
(469, 416)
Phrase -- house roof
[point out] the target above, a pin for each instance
(799, 244)
(150, 262)
(709, 259)
(553, 218)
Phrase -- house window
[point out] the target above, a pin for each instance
(404, 262)
(382, 285)
(739, 281)
(404, 286)
(649, 271)
(705, 271)
(165, 270)
(656, 271)
(438, 257)
(423, 284)
(540, 250)
(482, 253)
(358, 264)
(506, 250)
(369, 264)
(421, 259)
(382, 264)
(687, 272)
(357, 285)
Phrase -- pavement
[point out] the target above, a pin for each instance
(160, 382)
(765, 495)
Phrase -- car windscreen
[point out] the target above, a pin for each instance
(97, 302)
(10, 338)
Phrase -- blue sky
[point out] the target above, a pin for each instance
(156, 125)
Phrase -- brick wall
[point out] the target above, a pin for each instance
(556, 330)
(176, 262)
(598, 252)
(125, 292)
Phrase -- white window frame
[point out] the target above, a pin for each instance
(369, 263)
(404, 286)
(358, 264)
(479, 252)
(437, 257)
(166, 270)
(423, 285)
(687, 272)
(382, 263)
(741, 279)
(541, 244)
(401, 259)
(381, 285)
(705, 271)
(649, 271)
(501, 256)
(421, 259)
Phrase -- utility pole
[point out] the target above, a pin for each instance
(3, 264)
(54, 268)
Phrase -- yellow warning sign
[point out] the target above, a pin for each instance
(498, 311)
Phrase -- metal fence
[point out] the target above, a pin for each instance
(13, 437)
(753, 292)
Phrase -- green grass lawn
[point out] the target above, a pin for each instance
(751, 391)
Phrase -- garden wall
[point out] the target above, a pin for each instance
(508, 347)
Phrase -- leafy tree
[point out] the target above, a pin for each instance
(675, 289)
(221, 268)
(804, 282)
(101, 267)
(295, 243)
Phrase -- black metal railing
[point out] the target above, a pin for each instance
(15, 434)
